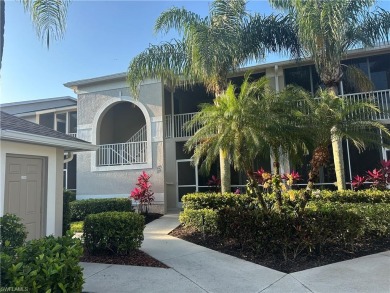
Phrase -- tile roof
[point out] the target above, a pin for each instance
(10, 122)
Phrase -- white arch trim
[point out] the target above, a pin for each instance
(96, 126)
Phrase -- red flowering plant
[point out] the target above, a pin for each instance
(291, 178)
(143, 193)
(377, 178)
(358, 182)
(214, 183)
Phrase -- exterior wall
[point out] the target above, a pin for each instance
(118, 181)
(55, 158)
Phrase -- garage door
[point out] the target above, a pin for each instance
(24, 192)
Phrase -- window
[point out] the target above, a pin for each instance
(61, 122)
(72, 122)
(47, 120)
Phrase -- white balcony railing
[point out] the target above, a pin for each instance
(73, 134)
(380, 98)
(127, 153)
(174, 124)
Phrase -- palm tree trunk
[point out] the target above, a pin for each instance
(276, 181)
(2, 27)
(225, 171)
(337, 148)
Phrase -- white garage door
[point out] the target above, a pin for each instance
(24, 192)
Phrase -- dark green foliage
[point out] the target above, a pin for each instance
(12, 232)
(204, 220)
(289, 234)
(215, 201)
(117, 232)
(68, 197)
(46, 264)
(331, 218)
(350, 196)
(79, 209)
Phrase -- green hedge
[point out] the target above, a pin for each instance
(289, 234)
(351, 196)
(117, 232)
(46, 265)
(12, 233)
(79, 209)
(202, 220)
(216, 201)
(68, 197)
(375, 216)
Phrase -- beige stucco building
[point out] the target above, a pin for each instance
(147, 134)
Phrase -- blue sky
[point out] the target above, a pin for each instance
(101, 38)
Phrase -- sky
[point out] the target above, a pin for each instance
(101, 39)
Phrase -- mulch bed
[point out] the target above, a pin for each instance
(302, 262)
(135, 258)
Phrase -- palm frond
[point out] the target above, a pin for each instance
(49, 18)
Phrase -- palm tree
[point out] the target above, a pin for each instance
(326, 31)
(247, 125)
(211, 48)
(48, 17)
(353, 120)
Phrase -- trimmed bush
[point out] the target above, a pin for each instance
(216, 201)
(289, 234)
(46, 265)
(79, 209)
(351, 196)
(117, 232)
(68, 197)
(202, 220)
(12, 232)
(375, 216)
(77, 227)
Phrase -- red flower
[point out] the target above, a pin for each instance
(375, 175)
(358, 181)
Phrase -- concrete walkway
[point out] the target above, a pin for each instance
(194, 268)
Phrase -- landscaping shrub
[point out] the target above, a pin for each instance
(216, 201)
(68, 197)
(288, 233)
(79, 209)
(46, 265)
(350, 196)
(12, 232)
(375, 216)
(117, 232)
(203, 220)
(76, 227)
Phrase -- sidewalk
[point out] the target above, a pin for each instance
(194, 268)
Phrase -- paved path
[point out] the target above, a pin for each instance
(194, 268)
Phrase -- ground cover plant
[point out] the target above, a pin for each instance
(334, 226)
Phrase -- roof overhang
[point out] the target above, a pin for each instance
(67, 145)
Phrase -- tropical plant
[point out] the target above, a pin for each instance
(143, 193)
(326, 31)
(48, 18)
(246, 126)
(352, 119)
(210, 49)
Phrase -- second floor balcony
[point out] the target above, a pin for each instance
(174, 124)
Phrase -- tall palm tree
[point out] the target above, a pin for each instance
(247, 125)
(48, 18)
(326, 31)
(211, 48)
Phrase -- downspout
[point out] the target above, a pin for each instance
(68, 157)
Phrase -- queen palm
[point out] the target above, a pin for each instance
(326, 31)
(211, 48)
(48, 18)
(247, 125)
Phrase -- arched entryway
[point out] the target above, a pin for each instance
(121, 135)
